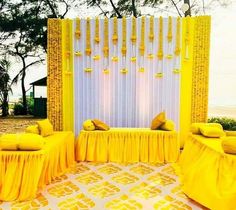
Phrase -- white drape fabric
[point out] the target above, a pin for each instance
(129, 99)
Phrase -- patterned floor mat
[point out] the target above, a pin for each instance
(111, 186)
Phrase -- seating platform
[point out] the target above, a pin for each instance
(22, 173)
(208, 174)
(128, 145)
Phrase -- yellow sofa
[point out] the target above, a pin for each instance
(22, 173)
(128, 145)
(207, 173)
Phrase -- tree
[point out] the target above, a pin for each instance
(23, 32)
(5, 85)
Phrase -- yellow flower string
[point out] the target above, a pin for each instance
(106, 46)
(106, 38)
(151, 36)
(133, 39)
(123, 49)
(142, 41)
(187, 37)
(96, 38)
(160, 47)
(77, 34)
(177, 43)
(169, 35)
(133, 36)
(151, 30)
(88, 44)
(115, 38)
(77, 30)
(115, 35)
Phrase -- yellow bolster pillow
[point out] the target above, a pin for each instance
(9, 142)
(45, 127)
(32, 129)
(195, 127)
(30, 141)
(169, 125)
(213, 132)
(230, 133)
(229, 145)
(158, 121)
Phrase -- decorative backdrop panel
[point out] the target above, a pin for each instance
(54, 78)
(126, 70)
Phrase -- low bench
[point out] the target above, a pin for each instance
(128, 145)
(22, 173)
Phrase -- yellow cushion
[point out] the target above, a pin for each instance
(99, 125)
(195, 127)
(88, 125)
(45, 127)
(169, 125)
(230, 133)
(32, 129)
(209, 131)
(30, 141)
(9, 142)
(229, 144)
(158, 120)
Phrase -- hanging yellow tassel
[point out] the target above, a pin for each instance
(88, 44)
(177, 43)
(169, 36)
(123, 49)
(115, 35)
(151, 26)
(142, 41)
(96, 39)
(77, 30)
(160, 49)
(133, 37)
(106, 38)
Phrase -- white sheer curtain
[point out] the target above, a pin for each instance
(134, 98)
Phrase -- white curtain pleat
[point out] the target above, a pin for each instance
(129, 99)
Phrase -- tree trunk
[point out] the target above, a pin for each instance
(188, 12)
(134, 8)
(5, 104)
(24, 102)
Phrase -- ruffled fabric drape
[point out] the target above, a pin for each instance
(208, 174)
(128, 145)
(22, 173)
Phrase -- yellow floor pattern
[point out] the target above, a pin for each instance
(111, 186)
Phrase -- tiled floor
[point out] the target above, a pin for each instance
(103, 186)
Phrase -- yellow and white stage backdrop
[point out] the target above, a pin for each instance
(125, 71)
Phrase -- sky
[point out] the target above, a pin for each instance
(222, 82)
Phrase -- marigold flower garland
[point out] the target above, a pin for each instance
(169, 38)
(88, 50)
(106, 46)
(115, 39)
(133, 40)
(176, 70)
(151, 37)
(96, 40)
(123, 48)
(187, 37)
(159, 74)
(77, 36)
(142, 45)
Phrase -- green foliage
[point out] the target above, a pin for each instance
(19, 108)
(227, 123)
